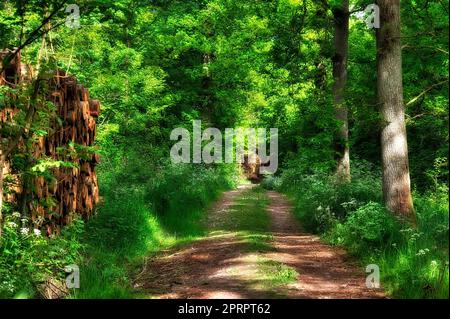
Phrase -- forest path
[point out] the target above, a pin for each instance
(254, 249)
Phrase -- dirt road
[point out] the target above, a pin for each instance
(221, 265)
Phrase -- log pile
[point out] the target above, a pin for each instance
(70, 191)
(11, 75)
(251, 167)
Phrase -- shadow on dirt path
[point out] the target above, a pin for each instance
(325, 271)
(221, 265)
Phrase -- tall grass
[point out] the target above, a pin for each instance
(138, 218)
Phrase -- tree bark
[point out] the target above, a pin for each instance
(394, 147)
(341, 33)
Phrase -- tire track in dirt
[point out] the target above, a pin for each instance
(221, 266)
(325, 271)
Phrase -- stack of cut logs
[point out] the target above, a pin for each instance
(11, 75)
(72, 190)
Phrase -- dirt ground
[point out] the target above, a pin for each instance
(221, 267)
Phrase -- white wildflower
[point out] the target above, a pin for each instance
(16, 214)
(423, 252)
(12, 224)
(37, 232)
(24, 231)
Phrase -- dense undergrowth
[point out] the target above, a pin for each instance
(413, 261)
(28, 259)
(135, 218)
(138, 219)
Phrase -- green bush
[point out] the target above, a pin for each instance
(271, 182)
(432, 214)
(413, 260)
(321, 201)
(28, 258)
(370, 227)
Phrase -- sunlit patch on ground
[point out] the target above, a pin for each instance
(254, 249)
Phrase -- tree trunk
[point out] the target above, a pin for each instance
(394, 148)
(341, 34)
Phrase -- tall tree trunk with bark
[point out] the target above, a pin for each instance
(341, 33)
(394, 147)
